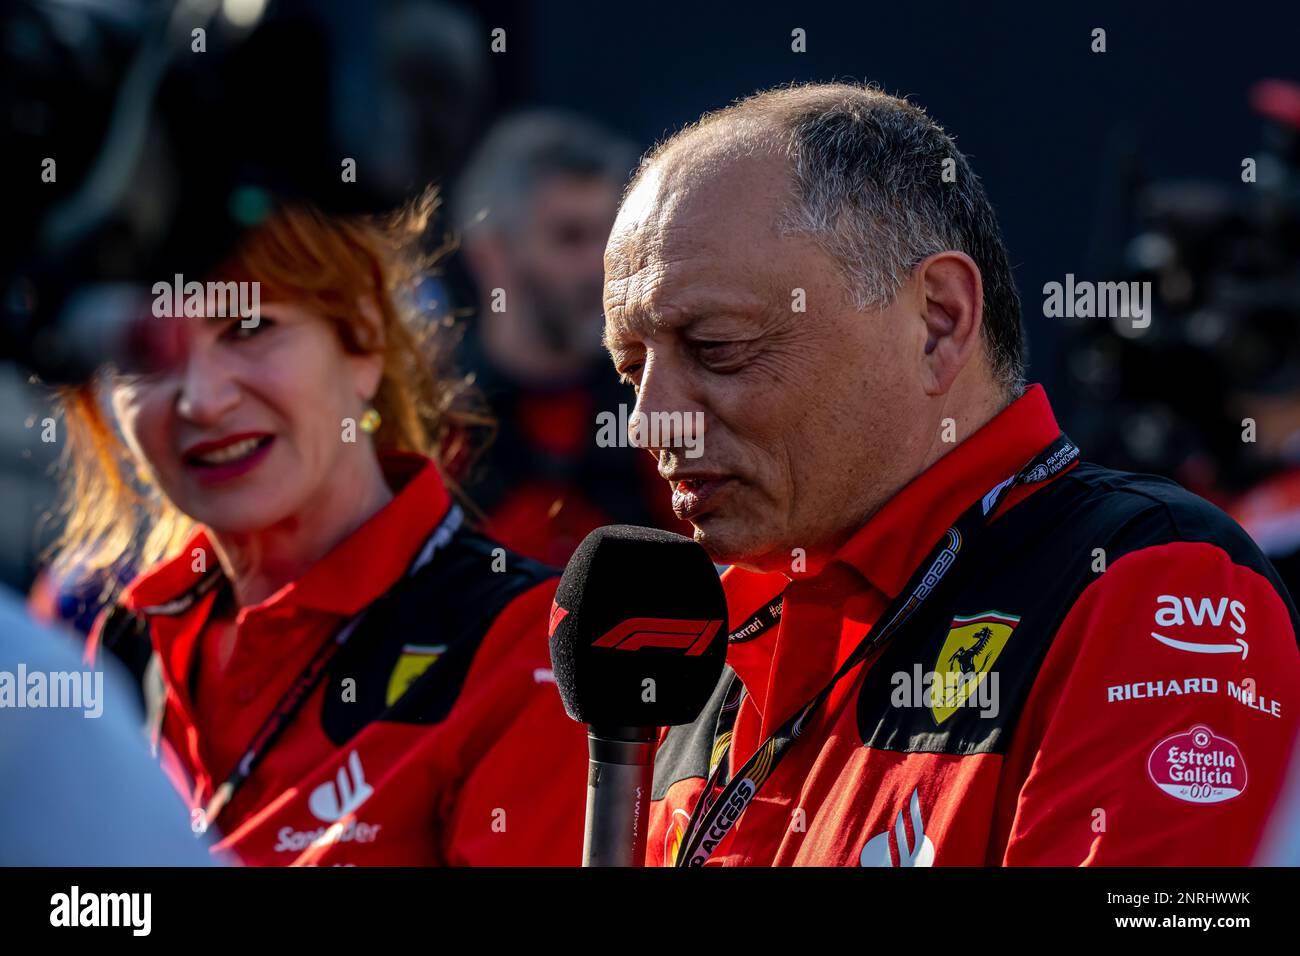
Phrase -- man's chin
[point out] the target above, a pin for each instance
(729, 542)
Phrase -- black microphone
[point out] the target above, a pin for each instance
(638, 641)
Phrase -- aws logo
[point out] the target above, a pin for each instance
(1174, 611)
(1169, 612)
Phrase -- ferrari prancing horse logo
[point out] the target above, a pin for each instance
(972, 645)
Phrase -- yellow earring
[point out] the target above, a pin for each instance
(370, 421)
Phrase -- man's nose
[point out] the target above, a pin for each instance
(668, 415)
(208, 390)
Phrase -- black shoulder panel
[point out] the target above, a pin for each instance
(449, 606)
(125, 635)
(1172, 513)
(1001, 606)
(686, 749)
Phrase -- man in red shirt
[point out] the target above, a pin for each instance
(952, 642)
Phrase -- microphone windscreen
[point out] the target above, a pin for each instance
(638, 629)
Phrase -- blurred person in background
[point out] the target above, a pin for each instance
(338, 669)
(533, 209)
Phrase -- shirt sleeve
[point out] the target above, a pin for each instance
(1159, 728)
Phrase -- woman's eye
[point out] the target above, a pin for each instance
(242, 329)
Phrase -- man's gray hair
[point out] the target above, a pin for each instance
(869, 176)
(524, 150)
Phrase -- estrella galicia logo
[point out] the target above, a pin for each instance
(1198, 766)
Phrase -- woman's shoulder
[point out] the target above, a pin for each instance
(474, 578)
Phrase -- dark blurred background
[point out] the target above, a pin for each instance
(1056, 132)
(1069, 142)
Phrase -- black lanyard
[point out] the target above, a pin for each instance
(715, 816)
(312, 675)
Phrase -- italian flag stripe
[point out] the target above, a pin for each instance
(995, 616)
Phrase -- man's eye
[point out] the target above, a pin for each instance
(630, 374)
(717, 353)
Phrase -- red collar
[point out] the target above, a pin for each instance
(356, 572)
(889, 547)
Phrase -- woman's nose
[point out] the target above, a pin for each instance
(208, 389)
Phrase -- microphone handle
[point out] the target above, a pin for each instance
(620, 770)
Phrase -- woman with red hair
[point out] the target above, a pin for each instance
(338, 669)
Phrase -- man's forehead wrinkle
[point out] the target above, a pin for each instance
(646, 205)
(672, 243)
(673, 256)
(636, 241)
(692, 172)
(652, 235)
(670, 281)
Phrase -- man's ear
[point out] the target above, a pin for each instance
(952, 307)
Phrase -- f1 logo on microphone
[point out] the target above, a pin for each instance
(638, 632)
(558, 614)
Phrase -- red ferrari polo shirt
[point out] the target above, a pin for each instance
(1136, 682)
(483, 768)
